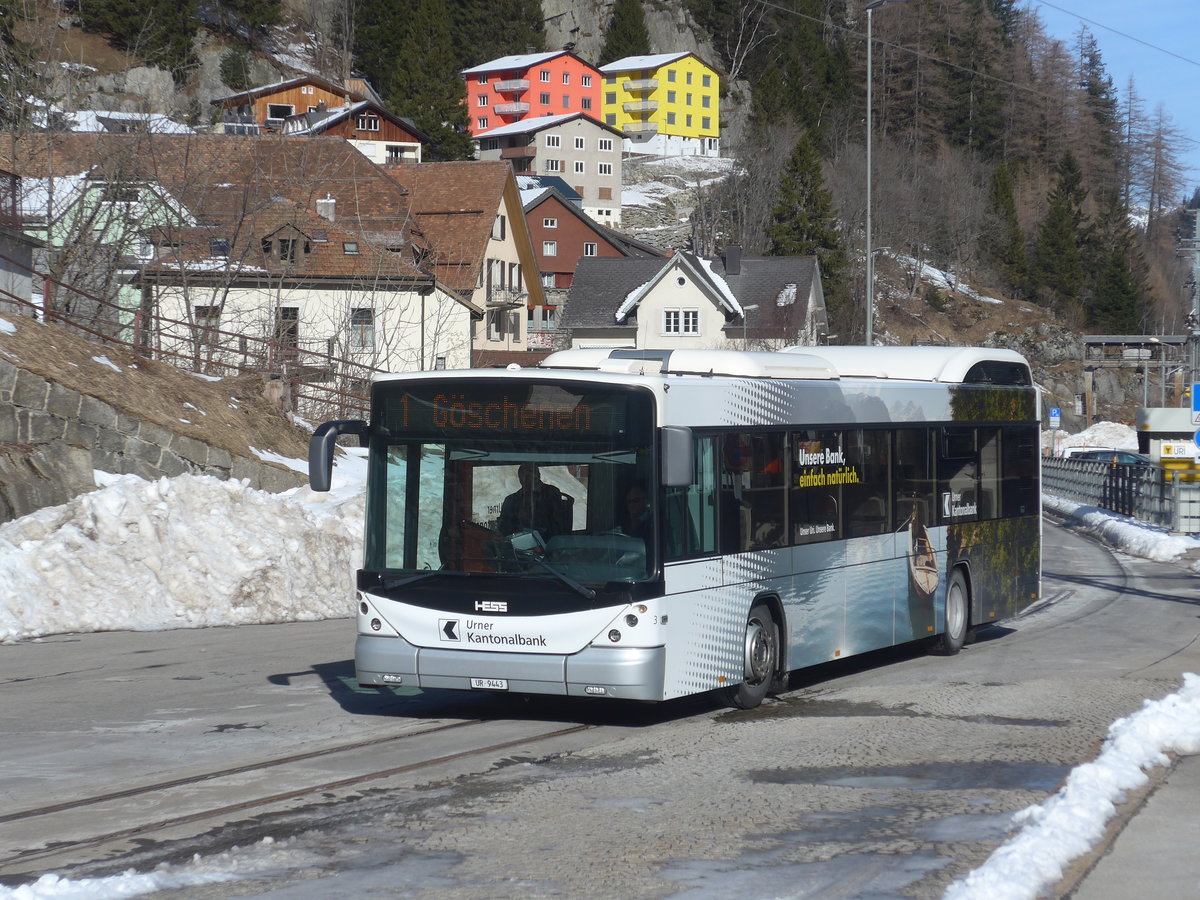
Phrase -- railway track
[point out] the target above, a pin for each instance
(106, 824)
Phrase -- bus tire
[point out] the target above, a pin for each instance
(760, 660)
(958, 615)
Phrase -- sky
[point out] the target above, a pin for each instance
(1123, 31)
(211, 552)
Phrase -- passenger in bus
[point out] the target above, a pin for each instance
(636, 521)
(537, 506)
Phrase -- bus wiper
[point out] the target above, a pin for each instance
(570, 582)
(401, 582)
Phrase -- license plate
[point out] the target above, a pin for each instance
(490, 684)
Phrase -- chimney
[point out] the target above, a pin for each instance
(327, 208)
(733, 260)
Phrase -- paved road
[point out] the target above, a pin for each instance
(882, 777)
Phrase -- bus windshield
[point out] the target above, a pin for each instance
(515, 478)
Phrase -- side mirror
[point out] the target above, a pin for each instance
(320, 449)
(676, 456)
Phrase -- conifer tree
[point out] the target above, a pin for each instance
(627, 34)
(427, 86)
(484, 30)
(1003, 241)
(1058, 271)
(803, 222)
(1120, 291)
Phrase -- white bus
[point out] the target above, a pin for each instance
(804, 506)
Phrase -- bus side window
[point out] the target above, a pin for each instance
(815, 494)
(866, 492)
(958, 475)
(690, 514)
(912, 477)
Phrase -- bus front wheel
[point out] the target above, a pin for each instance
(760, 660)
(958, 613)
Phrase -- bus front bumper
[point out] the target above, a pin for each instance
(624, 673)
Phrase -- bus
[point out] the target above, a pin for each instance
(797, 507)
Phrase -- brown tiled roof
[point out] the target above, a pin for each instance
(455, 204)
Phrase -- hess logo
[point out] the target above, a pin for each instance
(491, 606)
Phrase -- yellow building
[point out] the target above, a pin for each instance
(666, 103)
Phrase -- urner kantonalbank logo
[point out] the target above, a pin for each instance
(475, 631)
(954, 506)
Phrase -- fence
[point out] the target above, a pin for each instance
(322, 386)
(1146, 493)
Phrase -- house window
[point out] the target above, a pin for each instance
(350, 247)
(287, 250)
(580, 167)
(604, 145)
(689, 77)
(604, 168)
(540, 318)
(362, 329)
(681, 321)
(566, 101)
(687, 120)
(611, 98)
(687, 99)
(497, 324)
(610, 118)
(566, 77)
(279, 111)
(498, 229)
(481, 78)
(549, 223)
(706, 81)
(670, 74)
(545, 75)
(704, 100)
(585, 103)
(610, 79)
(554, 165)
(481, 100)
(586, 80)
(547, 279)
(549, 248)
(580, 143)
(490, 143)
(218, 246)
(704, 122)
(589, 248)
(670, 96)
(544, 99)
(287, 325)
(367, 123)
(553, 140)
(483, 123)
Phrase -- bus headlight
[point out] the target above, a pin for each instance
(631, 620)
(614, 635)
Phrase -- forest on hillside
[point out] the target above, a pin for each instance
(999, 153)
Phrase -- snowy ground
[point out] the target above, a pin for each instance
(194, 551)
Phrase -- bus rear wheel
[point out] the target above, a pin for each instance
(760, 660)
(958, 615)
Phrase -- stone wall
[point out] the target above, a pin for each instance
(52, 438)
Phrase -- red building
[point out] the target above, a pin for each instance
(529, 85)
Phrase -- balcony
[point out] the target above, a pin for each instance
(528, 151)
(640, 106)
(511, 86)
(641, 128)
(505, 298)
(511, 109)
(641, 85)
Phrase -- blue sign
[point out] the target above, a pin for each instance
(1055, 416)
(1195, 403)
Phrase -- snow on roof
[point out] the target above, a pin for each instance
(511, 63)
(642, 62)
(524, 126)
(721, 285)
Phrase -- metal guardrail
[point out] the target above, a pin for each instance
(1147, 493)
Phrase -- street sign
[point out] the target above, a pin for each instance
(1055, 417)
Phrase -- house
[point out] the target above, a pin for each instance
(563, 235)
(267, 107)
(305, 246)
(16, 249)
(690, 302)
(666, 104)
(380, 136)
(573, 146)
(530, 85)
(471, 216)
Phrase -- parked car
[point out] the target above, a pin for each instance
(1110, 455)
